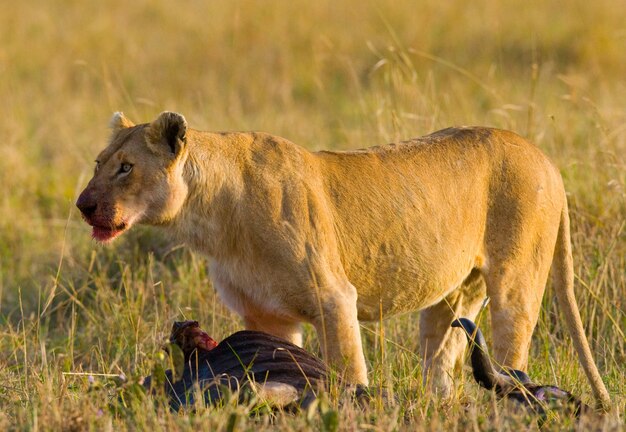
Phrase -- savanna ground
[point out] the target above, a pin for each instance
(325, 74)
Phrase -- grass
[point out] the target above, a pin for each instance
(325, 75)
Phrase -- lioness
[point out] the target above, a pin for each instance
(331, 238)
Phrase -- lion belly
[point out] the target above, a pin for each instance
(409, 265)
(393, 283)
(410, 221)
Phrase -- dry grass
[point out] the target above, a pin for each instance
(326, 75)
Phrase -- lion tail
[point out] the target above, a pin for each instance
(563, 274)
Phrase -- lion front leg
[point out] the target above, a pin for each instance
(339, 334)
(289, 330)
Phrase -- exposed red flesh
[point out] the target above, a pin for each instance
(189, 337)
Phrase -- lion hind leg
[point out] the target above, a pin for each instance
(441, 347)
(516, 292)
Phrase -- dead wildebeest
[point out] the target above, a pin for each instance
(246, 362)
(514, 384)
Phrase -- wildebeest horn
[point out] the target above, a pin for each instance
(483, 370)
(512, 383)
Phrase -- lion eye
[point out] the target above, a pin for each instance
(126, 168)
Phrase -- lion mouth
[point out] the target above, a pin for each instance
(108, 233)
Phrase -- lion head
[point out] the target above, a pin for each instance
(138, 176)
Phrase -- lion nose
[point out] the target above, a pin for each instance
(86, 204)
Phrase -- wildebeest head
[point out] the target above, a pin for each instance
(512, 383)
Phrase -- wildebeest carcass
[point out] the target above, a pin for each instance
(514, 384)
(245, 363)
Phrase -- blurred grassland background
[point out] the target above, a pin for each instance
(324, 74)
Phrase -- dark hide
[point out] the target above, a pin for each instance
(241, 358)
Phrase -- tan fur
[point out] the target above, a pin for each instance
(330, 238)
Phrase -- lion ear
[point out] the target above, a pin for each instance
(168, 132)
(119, 121)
